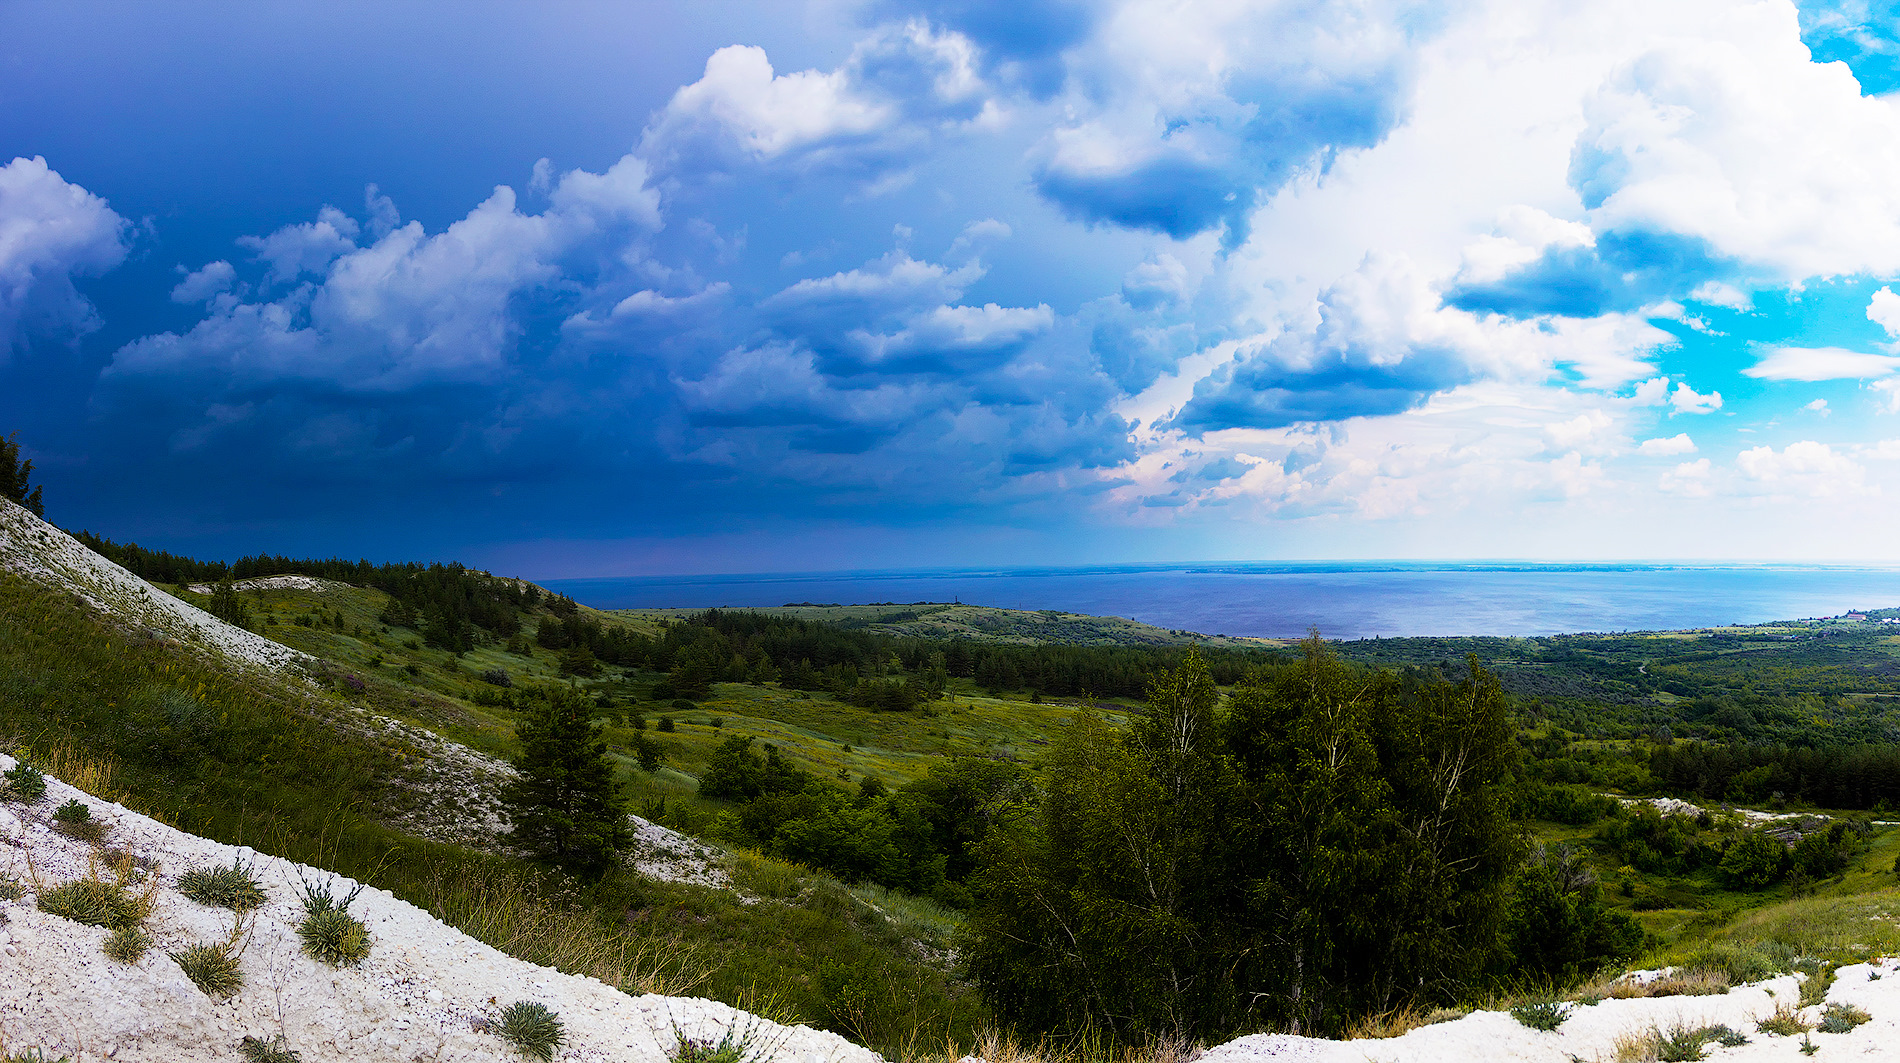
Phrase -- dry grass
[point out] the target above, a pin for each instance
(1696, 983)
(80, 768)
(506, 911)
(1394, 1023)
(994, 1046)
(1635, 1047)
(1785, 1022)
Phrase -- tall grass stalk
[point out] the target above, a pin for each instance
(506, 909)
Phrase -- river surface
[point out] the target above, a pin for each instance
(1342, 600)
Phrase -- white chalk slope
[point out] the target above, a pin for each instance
(419, 996)
(40, 552)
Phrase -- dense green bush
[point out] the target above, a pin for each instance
(1333, 846)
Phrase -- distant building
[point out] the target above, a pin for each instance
(1853, 616)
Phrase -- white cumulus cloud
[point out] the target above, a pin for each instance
(1662, 447)
(50, 232)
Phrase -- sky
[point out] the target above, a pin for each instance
(669, 287)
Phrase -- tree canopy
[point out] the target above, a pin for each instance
(13, 477)
(565, 803)
(1331, 843)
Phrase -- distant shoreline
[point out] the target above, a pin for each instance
(1343, 600)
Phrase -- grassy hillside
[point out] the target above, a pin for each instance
(981, 623)
(279, 766)
(239, 760)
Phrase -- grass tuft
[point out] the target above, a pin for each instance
(11, 889)
(533, 1028)
(127, 944)
(1540, 1014)
(330, 933)
(231, 887)
(1840, 1018)
(95, 902)
(737, 1045)
(1785, 1022)
(275, 1050)
(212, 968)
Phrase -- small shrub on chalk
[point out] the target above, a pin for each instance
(212, 968)
(533, 1028)
(275, 1050)
(231, 887)
(330, 933)
(23, 783)
(127, 944)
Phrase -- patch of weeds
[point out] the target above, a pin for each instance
(1683, 1044)
(533, 1028)
(1808, 1047)
(23, 783)
(275, 1050)
(32, 1055)
(10, 888)
(95, 902)
(733, 1046)
(212, 968)
(1540, 1014)
(1438, 1015)
(231, 887)
(127, 944)
(1820, 978)
(330, 933)
(74, 820)
(1840, 1018)
(1783, 1023)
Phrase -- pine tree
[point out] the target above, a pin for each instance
(13, 476)
(565, 803)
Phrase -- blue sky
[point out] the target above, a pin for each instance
(614, 289)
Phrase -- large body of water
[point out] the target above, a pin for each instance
(1342, 600)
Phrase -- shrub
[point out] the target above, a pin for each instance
(1540, 1014)
(683, 705)
(231, 887)
(212, 968)
(127, 944)
(330, 933)
(95, 902)
(532, 1028)
(665, 724)
(1683, 1044)
(24, 783)
(1840, 1018)
(732, 1047)
(275, 1050)
(1785, 1022)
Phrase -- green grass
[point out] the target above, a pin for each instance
(127, 944)
(533, 1028)
(214, 969)
(96, 902)
(231, 887)
(1541, 1014)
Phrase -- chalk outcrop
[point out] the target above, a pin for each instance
(36, 550)
(425, 992)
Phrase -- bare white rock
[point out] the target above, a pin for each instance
(416, 997)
